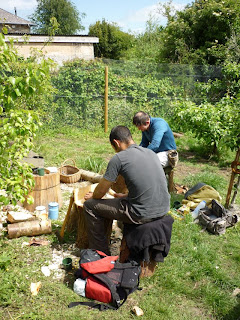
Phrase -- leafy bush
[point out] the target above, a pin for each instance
(81, 93)
(22, 88)
(216, 119)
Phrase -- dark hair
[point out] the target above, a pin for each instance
(140, 118)
(120, 133)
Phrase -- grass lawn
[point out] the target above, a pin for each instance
(196, 281)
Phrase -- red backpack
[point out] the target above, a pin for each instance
(107, 280)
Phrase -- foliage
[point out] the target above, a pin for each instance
(147, 45)
(112, 41)
(189, 97)
(82, 86)
(199, 33)
(21, 86)
(67, 17)
(204, 121)
(216, 119)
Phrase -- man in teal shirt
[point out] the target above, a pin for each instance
(156, 135)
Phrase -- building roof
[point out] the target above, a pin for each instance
(35, 38)
(9, 18)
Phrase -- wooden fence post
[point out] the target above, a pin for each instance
(235, 171)
(106, 101)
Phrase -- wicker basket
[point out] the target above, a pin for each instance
(69, 174)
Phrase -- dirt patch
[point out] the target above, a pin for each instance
(226, 172)
(182, 170)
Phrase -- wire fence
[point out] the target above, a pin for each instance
(132, 86)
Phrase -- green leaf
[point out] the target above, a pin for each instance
(5, 30)
(9, 100)
(18, 93)
(12, 80)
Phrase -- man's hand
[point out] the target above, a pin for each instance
(88, 195)
(120, 195)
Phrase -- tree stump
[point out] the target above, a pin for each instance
(76, 222)
(82, 236)
(147, 269)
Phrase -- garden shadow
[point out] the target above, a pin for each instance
(234, 314)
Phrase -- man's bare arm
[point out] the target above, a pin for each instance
(101, 189)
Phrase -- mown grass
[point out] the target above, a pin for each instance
(196, 280)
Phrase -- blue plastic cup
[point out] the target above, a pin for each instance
(53, 210)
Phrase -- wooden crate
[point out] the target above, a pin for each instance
(47, 189)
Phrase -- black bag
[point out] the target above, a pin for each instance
(216, 219)
(107, 280)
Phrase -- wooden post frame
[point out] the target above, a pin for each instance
(234, 165)
(106, 101)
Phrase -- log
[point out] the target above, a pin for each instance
(119, 186)
(82, 236)
(91, 176)
(76, 221)
(72, 223)
(76, 218)
(147, 269)
(15, 217)
(29, 228)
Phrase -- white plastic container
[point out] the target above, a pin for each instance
(52, 169)
(79, 287)
(41, 212)
(195, 212)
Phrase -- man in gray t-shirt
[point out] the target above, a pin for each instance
(147, 197)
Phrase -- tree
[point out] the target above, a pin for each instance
(112, 41)
(199, 33)
(67, 17)
(23, 83)
(146, 45)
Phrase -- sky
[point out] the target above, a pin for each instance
(130, 15)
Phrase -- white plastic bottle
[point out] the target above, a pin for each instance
(195, 212)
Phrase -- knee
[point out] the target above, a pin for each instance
(88, 205)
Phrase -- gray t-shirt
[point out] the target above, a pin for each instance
(145, 180)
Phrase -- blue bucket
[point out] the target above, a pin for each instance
(53, 210)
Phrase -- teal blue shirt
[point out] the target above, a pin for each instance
(158, 137)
